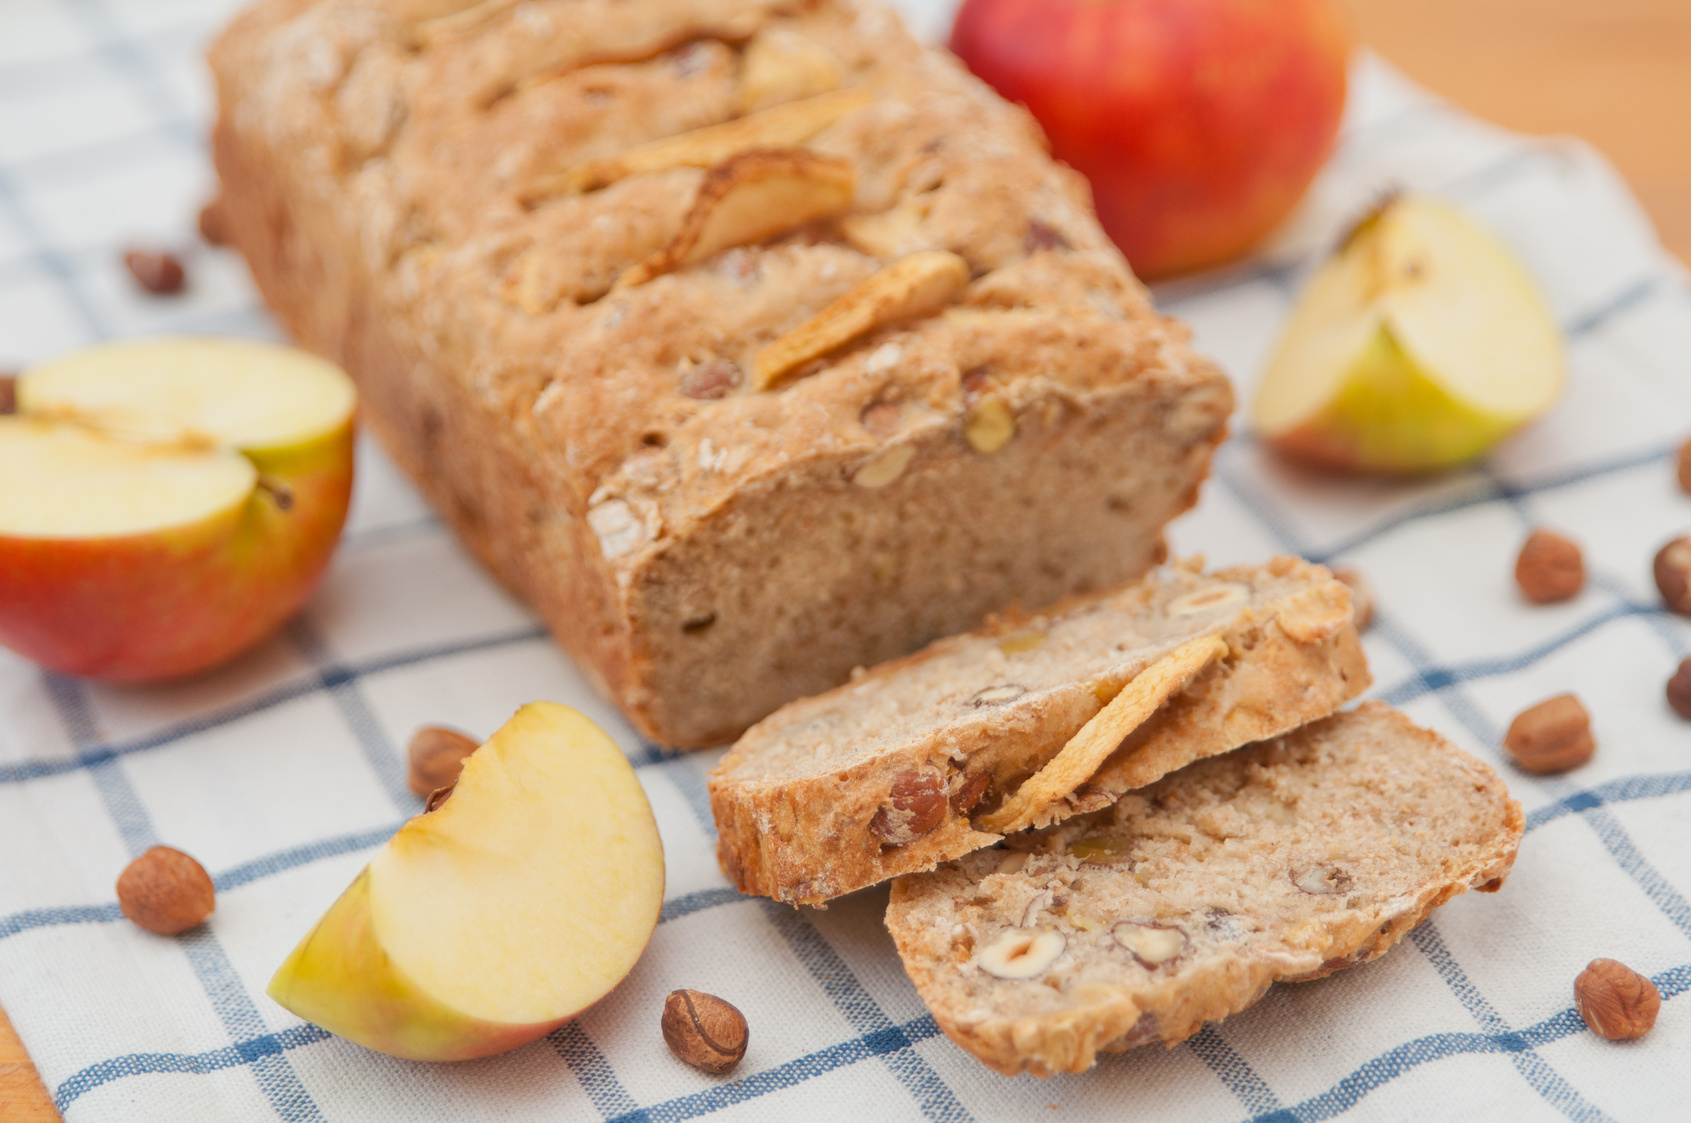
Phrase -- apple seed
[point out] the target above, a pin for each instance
(705, 1031)
(437, 755)
(165, 891)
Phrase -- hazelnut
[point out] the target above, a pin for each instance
(1021, 953)
(915, 806)
(1210, 599)
(885, 466)
(1322, 880)
(1616, 1002)
(165, 891)
(989, 424)
(157, 271)
(1684, 466)
(1549, 568)
(1152, 944)
(703, 1030)
(1673, 574)
(1679, 690)
(997, 695)
(1553, 736)
(970, 793)
(1361, 595)
(213, 225)
(711, 380)
(437, 756)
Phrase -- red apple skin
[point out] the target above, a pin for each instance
(162, 605)
(1200, 123)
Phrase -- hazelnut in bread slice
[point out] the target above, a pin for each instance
(1027, 722)
(1182, 903)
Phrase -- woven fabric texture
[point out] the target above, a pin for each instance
(282, 771)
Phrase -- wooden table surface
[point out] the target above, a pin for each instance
(1616, 73)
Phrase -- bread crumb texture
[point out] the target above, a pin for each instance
(1281, 862)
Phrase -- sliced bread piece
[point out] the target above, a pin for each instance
(1183, 903)
(1105, 694)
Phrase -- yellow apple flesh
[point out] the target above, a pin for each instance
(165, 504)
(499, 916)
(1417, 346)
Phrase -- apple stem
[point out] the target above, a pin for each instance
(278, 491)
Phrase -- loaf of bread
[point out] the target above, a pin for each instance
(750, 342)
(1184, 902)
(1028, 722)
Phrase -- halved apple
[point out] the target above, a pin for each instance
(165, 504)
(1417, 346)
(490, 921)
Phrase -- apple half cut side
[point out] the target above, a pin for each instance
(167, 503)
(1417, 346)
(490, 921)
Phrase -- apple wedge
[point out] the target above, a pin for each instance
(165, 504)
(1417, 346)
(490, 921)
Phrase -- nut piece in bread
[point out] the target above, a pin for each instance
(1207, 663)
(1284, 861)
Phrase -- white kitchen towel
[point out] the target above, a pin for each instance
(283, 770)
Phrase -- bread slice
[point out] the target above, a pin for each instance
(1183, 903)
(925, 758)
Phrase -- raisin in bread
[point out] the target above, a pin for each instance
(1184, 902)
(749, 341)
(929, 757)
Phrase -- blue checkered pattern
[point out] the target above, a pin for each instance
(282, 771)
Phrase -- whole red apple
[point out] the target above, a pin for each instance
(1199, 122)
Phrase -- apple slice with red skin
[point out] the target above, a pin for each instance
(167, 503)
(488, 922)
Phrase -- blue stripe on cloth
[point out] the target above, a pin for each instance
(1233, 1070)
(595, 1074)
(142, 1064)
(97, 753)
(864, 1014)
(228, 996)
(386, 761)
(889, 1042)
(1388, 1066)
(1545, 1080)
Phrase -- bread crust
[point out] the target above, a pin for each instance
(804, 834)
(1356, 892)
(704, 551)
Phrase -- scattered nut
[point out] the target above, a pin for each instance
(1321, 879)
(989, 424)
(437, 756)
(1549, 568)
(972, 791)
(1679, 690)
(1553, 736)
(1616, 1002)
(1207, 600)
(1673, 574)
(994, 695)
(915, 806)
(1151, 943)
(1021, 953)
(213, 225)
(165, 891)
(1361, 595)
(703, 1030)
(157, 271)
(1684, 466)
(884, 467)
